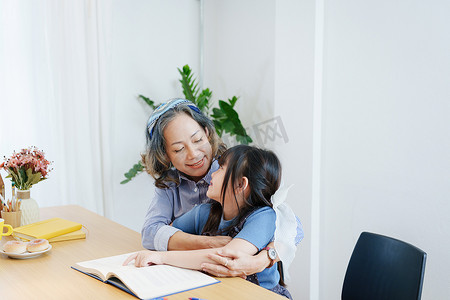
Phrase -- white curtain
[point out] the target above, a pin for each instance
(52, 95)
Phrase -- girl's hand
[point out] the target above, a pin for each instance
(145, 258)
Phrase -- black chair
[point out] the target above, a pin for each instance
(383, 268)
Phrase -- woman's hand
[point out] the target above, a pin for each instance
(233, 263)
(145, 258)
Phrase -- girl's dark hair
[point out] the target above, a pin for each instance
(155, 159)
(263, 171)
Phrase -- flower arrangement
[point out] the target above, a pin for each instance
(27, 167)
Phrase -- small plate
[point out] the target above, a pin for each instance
(27, 254)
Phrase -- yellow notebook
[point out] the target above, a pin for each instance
(79, 234)
(46, 229)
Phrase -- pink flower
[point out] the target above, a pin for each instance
(27, 159)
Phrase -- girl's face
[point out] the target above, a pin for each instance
(230, 207)
(215, 186)
(188, 147)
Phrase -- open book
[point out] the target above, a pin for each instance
(144, 283)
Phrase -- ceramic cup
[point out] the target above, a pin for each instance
(2, 224)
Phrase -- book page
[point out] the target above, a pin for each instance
(102, 266)
(161, 280)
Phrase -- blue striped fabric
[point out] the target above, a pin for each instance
(163, 108)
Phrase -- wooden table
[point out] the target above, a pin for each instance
(50, 276)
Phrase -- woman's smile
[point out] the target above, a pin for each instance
(198, 164)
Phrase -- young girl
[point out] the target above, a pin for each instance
(182, 145)
(241, 189)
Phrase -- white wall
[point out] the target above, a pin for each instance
(239, 56)
(262, 51)
(386, 164)
(149, 40)
(294, 87)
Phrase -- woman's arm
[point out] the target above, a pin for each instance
(190, 225)
(156, 230)
(157, 234)
(185, 241)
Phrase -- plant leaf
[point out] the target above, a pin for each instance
(228, 126)
(188, 84)
(218, 114)
(231, 123)
(136, 169)
(33, 178)
(13, 175)
(23, 178)
(233, 101)
(218, 126)
(244, 139)
(228, 110)
(150, 103)
(203, 100)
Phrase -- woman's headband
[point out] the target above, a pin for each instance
(163, 108)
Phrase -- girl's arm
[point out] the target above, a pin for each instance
(187, 259)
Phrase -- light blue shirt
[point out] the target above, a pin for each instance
(258, 229)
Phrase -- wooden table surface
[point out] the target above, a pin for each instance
(50, 276)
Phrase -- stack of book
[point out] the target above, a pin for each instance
(53, 230)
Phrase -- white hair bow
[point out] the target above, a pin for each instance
(286, 229)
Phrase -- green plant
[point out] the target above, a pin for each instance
(225, 117)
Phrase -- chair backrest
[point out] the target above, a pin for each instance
(384, 268)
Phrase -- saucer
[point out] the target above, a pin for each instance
(27, 254)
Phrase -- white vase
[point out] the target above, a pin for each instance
(29, 207)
